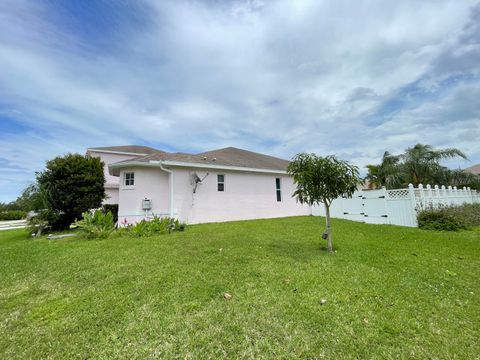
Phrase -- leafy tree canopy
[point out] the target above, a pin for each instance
(420, 164)
(70, 185)
(29, 200)
(322, 180)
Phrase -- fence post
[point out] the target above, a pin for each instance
(437, 195)
(428, 198)
(413, 204)
(421, 196)
(449, 195)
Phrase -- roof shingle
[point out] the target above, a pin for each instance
(230, 157)
(475, 169)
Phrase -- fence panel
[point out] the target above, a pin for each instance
(398, 206)
(353, 207)
(401, 207)
(375, 207)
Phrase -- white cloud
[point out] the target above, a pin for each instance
(277, 77)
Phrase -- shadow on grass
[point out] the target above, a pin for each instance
(299, 252)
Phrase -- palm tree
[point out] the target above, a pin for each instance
(421, 163)
(460, 178)
(418, 164)
(373, 177)
(387, 174)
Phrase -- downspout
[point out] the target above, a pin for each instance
(170, 173)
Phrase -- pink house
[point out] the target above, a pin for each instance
(219, 185)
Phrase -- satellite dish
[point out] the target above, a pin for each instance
(196, 180)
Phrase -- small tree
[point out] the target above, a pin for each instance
(71, 185)
(322, 180)
(30, 199)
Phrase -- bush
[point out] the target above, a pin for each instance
(69, 186)
(9, 206)
(13, 215)
(96, 225)
(156, 226)
(439, 220)
(450, 218)
(113, 208)
(470, 213)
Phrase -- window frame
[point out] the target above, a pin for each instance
(132, 179)
(278, 189)
(222, 183)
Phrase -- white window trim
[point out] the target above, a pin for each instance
(124, 179)
(279, 189)
(220, 182)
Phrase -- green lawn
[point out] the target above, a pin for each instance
(391, 293)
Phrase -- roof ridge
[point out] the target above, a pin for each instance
(235, 148)
(138, 149)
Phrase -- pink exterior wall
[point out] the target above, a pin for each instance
(247, 195)
(112, 195)
(111, 182)
(150, 183)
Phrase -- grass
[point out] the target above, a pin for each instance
(391, 293)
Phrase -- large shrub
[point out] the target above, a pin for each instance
(96, 224)
(13, 215)
(450, 218)
(71, 185)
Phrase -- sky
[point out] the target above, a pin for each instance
(350, 78)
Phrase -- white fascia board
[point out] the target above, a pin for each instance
(222, 167)
(129, 164)
(155, 163)
(115, 152)
(133, 163)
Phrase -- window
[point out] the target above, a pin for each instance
(278, 189)
(221, 182)
(129, 179)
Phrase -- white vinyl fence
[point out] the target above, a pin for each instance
(13, 224)
(398, 206)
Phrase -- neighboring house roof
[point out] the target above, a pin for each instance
(125, 149)
(226, 158)
(475, 169)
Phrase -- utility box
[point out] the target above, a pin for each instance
(147, 204)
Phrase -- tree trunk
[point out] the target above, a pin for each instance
(329, 230)
(415, 179)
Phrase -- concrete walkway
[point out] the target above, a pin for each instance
(13, 224)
